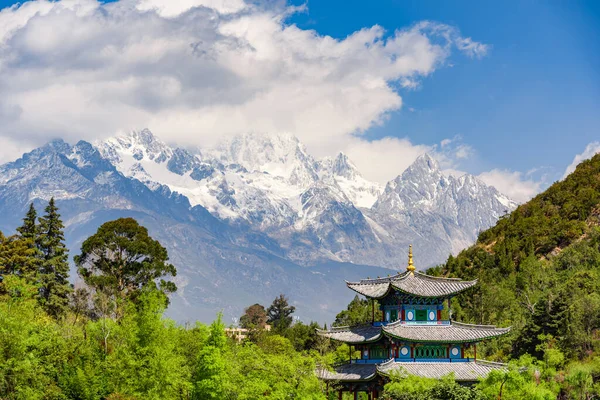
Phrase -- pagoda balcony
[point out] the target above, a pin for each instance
(433, 323)
(405, 360)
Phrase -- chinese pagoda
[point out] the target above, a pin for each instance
(415, 336)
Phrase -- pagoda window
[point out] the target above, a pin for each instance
(378, 353)
(431, 352)
(421, 315)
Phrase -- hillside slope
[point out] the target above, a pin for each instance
(539, 270)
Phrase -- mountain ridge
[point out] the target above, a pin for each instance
(240, 227)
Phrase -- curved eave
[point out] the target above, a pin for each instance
(349, 373)
(367, 290)
(447, 334)
(353, 335)
(463, 371)
(436, 285)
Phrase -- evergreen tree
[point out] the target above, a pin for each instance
(28, 235)
(29, 229)
(17, 257)
(280, 313)
(54, 269)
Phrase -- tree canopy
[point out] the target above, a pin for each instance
(121, 259)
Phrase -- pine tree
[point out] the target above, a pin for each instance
(54, 269)
(28, 237)
(17, 257)
(29, 229)
(280, 314)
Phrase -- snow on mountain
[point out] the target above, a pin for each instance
(360, 191)
(220, 266)
(316, 209)
(254, 216)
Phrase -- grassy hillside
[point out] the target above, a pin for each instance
(539, 271)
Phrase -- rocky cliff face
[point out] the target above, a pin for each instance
(255, 216)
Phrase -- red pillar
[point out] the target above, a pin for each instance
(439, 315)
(340, 394)
(403, 314)
(355, 394)
(372, 310)
(475, 351)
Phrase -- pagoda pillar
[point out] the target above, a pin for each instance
(355, 394)
(372, 311)
(340, 394)
(475, 351)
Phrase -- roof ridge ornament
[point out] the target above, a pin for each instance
(411, 268)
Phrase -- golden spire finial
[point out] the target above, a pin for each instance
(411, 266)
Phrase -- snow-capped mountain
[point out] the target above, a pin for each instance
(316, 209)
(255, 216)
(220, 267)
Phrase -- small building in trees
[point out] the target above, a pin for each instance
(411, 332)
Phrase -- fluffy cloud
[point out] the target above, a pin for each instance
(194, 71)
(516, 185)
(590, 150)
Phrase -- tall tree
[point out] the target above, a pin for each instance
(54, 269)
(121, 258)
(29, 229)
(255, 317)
(17, 257)
(28, 240)
(280, 313)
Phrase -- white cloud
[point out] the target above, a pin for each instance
(175, 8)
(384, 159)
(590, 150)
(194, 71)
(11, 149)
(514, 184)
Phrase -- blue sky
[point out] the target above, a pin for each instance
(533, 101)
(527, 107)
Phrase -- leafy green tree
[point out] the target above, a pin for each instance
(280, 313)
(255, 317)
(54, 269)
(17, 257)
(210, 380)
(121, 258)
(359, 311)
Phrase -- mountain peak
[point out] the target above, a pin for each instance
(342, 166)
(426, 162)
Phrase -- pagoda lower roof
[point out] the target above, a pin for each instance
(353, 334)
(412, 283)
(455, 332)
(470, 371)
(465, 371)
(349, 373)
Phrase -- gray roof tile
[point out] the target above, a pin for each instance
(463, 371)
(456, 332)
(354, 334)
(416, 283)
(349, 372)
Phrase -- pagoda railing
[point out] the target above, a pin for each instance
(431, 323)
(382, 360)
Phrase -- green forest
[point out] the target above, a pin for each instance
(538, 272)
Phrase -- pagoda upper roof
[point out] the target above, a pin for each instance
(412, 283)
(354, 334)
(455, 332)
